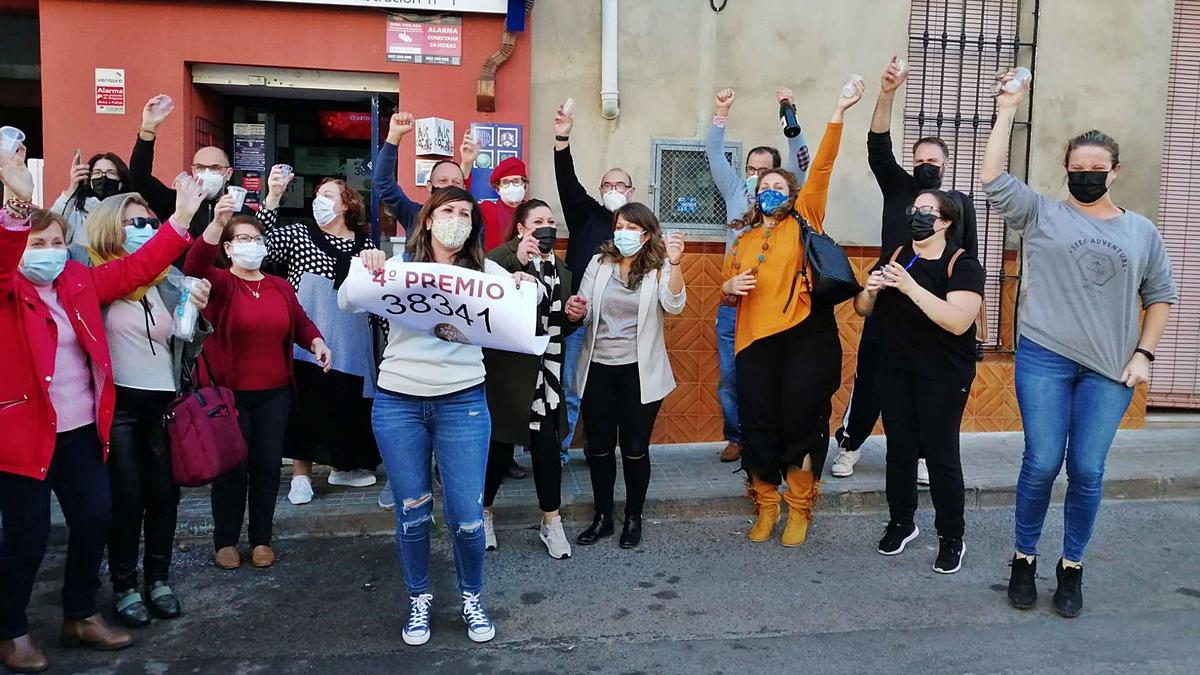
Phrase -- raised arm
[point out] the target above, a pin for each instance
(384, 185)
(14, 223)
(728, 179)
(815, 193)
(575, 200)
(141, 160)
(1016, 201)
(880, 156)
(797, 159)
(200, 257)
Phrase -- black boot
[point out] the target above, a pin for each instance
(131, 609)
(1068, 597)
(163, 602)
(631, 534)
(1022, 583)
(602, 526)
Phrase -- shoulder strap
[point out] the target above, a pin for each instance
(896, 255)
(953, 259)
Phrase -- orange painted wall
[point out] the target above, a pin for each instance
(155, 42)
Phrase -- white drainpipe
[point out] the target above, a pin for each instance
(609, 96)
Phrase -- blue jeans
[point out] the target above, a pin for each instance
(572, 345)
(410, 430)
(727, 388)
(1067, 411)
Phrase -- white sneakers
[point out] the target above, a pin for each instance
(301, 491)
(489, 531)
(843, 463)
(357, 478)
(922, 473)
(555, 539)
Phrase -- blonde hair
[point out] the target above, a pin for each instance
(105, 225)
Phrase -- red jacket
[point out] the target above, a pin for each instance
(497, 218)
(27, 417)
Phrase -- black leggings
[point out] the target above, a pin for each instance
(863, 411)
(544, 452)
(785, 383)
(611, 407)
(263, 416)
(144, 495)
(922, 418)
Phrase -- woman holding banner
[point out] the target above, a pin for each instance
(430, 400)
(623, 372)
(525, 392)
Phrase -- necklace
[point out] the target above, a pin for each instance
(253, 291)
(768, 230)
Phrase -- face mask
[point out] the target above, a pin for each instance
(451, 232)
(546, 237)
(105, 187)
(927, 176)
(136, 236)
(770, 200)
(213, 183)
(247, 255)
(512, 194)
(43, 265)
(614, 200)
(628, 242)
(751, 184)
(322, 210)
(922, 225)
(1087, 186)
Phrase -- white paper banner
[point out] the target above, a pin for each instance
(453, 303)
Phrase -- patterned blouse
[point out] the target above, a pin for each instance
(548, 393)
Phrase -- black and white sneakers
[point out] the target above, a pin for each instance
(896, 537)
(950, 555)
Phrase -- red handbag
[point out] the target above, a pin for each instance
(206, 440)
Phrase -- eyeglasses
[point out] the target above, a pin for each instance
(248, 239)
(143, 221)
(619, 186)
(111, 173)
(751, 171)
(923, 210)
(197, 168)
(513, 181)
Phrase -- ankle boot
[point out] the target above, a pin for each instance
(631, 534)
(602, 526)
(801, 496)
(767, 498)
(20, 655)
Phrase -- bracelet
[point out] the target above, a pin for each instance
(1146, 353)
(19, 207)
(674, 264)
(147, 131)
(562, 139)
(729, 300)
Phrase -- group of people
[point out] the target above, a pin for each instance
(89, 288)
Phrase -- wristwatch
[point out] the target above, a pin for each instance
(562, 139)
(1146, 353)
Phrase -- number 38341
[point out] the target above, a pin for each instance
(418, 303)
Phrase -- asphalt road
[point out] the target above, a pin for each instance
(695, 598)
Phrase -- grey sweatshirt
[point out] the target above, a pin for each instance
(1084, 279)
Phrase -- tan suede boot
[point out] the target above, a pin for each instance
(801, 496)
(766, 496)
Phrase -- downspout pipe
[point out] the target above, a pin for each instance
(610, 106)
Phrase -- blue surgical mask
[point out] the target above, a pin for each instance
(43, 265)
(136, 236)
(770, 200)
(751, 184)
(628, 242)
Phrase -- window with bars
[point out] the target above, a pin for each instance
(207, 133)
(684, 195)
(1175, 381)
(955, 50)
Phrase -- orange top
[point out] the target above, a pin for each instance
(781, 300)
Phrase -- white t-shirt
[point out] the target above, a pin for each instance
(139, 342)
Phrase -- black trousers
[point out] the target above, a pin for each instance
(144, 496)
(612, 410)
(785, 385)
(863, 411)
(922, 418)
(263, 416)
(78, 477)
(544, 449)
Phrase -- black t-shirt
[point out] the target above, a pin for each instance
(911, 340)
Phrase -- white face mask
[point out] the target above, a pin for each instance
(247, 255)
(614, 200)
(213, 183)
(451, 232)
(512, 194)
(322, 210)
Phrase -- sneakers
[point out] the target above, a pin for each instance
(416, 632)
(301, 491)
(896, 537)
(489, 531)
(843, 463)
(554, 538)
(357, 478)
(387, 501)
(950, 555)
(1068, 597)
(922, 473)
(1022, 583)
(479, 626)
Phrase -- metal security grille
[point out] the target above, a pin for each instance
(955, 50)
(685, 197)
(1176, 377)
(207, 133)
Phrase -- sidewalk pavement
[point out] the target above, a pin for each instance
(688, 481)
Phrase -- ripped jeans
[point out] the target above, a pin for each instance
(409, 430)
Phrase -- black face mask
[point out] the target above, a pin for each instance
(922, 225)
(927, 176)
(105, 187)
(1087, 186)
(546, 237)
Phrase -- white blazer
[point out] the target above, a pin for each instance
(654, 368)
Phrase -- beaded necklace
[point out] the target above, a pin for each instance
(768, 230)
